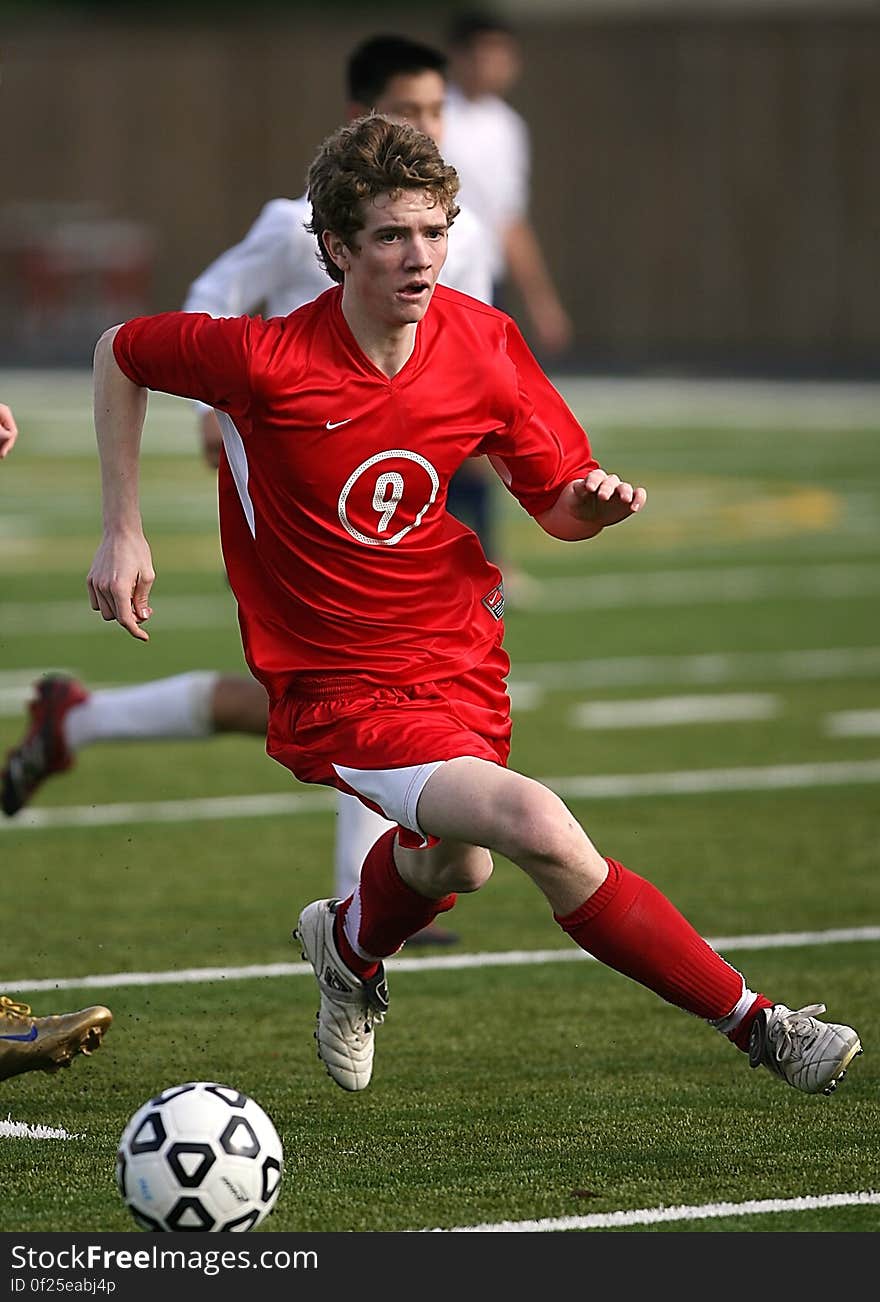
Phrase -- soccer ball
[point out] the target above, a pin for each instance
(199, 1156)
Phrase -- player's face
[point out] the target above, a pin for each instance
(391, 271)
(492, 63)
(416, 98)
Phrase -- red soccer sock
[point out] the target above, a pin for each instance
(629, 925)
(741, 1032)
(385, 911)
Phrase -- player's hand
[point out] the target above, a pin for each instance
(602, 499)
(212, 439)
(120, 581)
(8, 430)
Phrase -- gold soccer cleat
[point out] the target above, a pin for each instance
(30, 1043)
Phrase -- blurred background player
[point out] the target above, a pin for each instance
(274, 269)
(488, 143)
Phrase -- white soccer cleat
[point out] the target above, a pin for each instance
(811, 1055)
(350, 1006)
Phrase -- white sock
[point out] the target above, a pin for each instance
(179, 707)
(729, 1023)
(357, 831)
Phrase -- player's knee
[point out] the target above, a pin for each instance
(461, 872)
(472, 871)
(541, 828)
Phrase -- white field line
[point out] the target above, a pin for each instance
(664, 710)
(209, 808)
(13, 678)
(433, 963)
(714, 404)
(13, 700)
(658, 1215)
(25, 618)
(10, 1129)
(594, 592)
(774, 777)
(598, 787)
(703, 668)
(17, 685)
(691, 587)
(853, 723)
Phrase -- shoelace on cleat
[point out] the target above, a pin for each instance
(10, 1008)
(795, 1032)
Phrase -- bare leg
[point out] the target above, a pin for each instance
(609, 911)
(474, 803)
(239, 704)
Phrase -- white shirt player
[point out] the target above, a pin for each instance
(276, 265)
(488, 144)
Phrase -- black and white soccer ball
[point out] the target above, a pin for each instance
(199, 1157)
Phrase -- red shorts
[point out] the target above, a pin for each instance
(393, 736)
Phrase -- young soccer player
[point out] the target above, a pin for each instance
(372, 616)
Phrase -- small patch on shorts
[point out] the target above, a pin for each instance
(494, 601)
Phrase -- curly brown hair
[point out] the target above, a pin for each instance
(370, 156)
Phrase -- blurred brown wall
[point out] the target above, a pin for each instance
(707, 191)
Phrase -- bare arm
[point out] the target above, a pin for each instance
(8, 430)
(529, 273)
(587, 506)
(121, 575)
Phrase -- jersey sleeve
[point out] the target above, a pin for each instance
(243, 277)
(191, 355)
(543, 447)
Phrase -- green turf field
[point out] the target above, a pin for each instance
(740, 609)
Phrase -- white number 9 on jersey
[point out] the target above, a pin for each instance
(383, 501)
(368, 502)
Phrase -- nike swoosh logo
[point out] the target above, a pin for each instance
(31, 1035)
(334, 424)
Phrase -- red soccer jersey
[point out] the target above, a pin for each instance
(339, 549)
